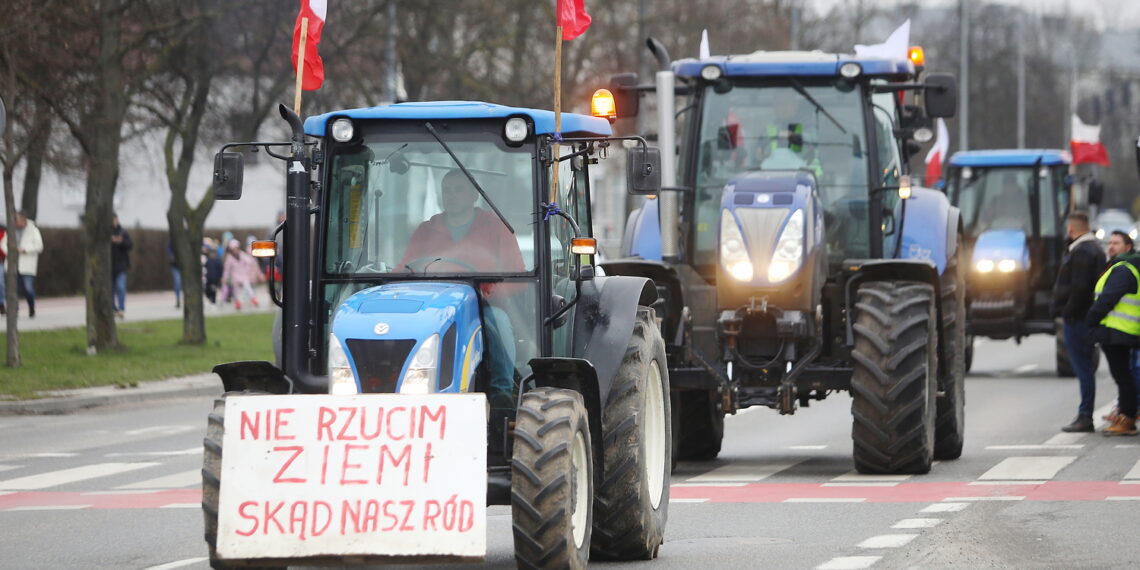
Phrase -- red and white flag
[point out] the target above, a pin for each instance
(572, 17)
(937, 154)
(1085, 144)
(313, 72)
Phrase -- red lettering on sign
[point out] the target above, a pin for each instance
(404, 459)
(325, 419)
(253, 425)
(364, 433)
(345, 466)
(280, 422)
(347, 422)
(241, 512)
(349, 511)
(432, 511)
(440, 417)
(388, 515)
(271, 516)
(315, 528)
(297, 450)
(427, 461)
(388, 422)
(297, 515)
(371, 515)
(408, 506)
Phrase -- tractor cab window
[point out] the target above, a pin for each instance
(402, 205)
(997, 198)
(890, 163)
(811, 126)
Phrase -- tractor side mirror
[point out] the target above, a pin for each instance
(627, 101)
(1096, 192)
(643, 170)
(941, 95)
(227, 175)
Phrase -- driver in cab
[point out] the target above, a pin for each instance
(1009, 209)
(462, 237)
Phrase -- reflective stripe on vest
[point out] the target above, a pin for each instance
(1125, 316)
(774, 137)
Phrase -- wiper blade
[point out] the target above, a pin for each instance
(803, 92)
(431, 129)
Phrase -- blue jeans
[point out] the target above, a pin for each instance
(176, 276)
(500, 352)
(27, 285)
(119, 291)
(1081, 357)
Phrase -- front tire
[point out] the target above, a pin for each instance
(950, 422)
(893, 386)
(701, 423)
(552, 480)
(632, 502)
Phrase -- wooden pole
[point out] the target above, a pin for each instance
(557, 112)
(300, 66)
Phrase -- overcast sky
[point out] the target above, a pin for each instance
(1110, 13)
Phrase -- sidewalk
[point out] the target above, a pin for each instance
(68, 312)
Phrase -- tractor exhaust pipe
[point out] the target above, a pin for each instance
(669, 210)
(295, 324)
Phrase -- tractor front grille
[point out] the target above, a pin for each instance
(379, 362)
(760, 226)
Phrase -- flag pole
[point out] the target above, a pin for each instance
(557, 112)
(300, 66)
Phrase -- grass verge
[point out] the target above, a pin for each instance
(57, 359)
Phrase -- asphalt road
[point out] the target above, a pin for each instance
(118, 487)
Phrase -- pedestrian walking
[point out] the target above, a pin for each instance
(175, 274)
(211, 271)
(30, 244)
(120, 262)
(240, 271)
(1072, 297)
(1114, 320)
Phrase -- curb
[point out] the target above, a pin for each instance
(68, 401)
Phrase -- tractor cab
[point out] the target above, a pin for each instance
(1013, 205)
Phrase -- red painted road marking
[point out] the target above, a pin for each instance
(749, 493)
(907, 492)
(133, 500)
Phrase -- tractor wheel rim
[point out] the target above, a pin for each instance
(655, 434)
(580, 477)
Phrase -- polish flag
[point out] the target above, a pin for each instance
(1085, 144)
(313, 72)
(572, 17)
(937, 154)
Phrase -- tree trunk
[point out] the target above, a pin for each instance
(37, 147)
(103, 126)
(12, 300)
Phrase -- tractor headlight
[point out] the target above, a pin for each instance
(789, 253)
(1007, 265)
(341, 379)
(1100, 234)
(985, 266)
(342, 130)
(420, 378)
(733, 252)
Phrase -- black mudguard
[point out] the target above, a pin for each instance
(604, 323)
(253, 375)
(579, 375)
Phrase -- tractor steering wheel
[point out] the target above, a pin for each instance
(428, 260)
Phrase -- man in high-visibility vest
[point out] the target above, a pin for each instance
(1114, 319)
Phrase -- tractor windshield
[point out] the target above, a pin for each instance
(1001, 198)
(400, 204)
(784, 126)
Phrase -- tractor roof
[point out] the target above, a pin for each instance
(572, 124)
(1010, 157)
(792, 63)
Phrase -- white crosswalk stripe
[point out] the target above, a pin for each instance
(174, 481)
(745, 471)
(1134, 473)
(1029, 468)
(73, 475)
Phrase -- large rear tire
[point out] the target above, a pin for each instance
(950, 422)
(552, 480)
(893, 386)
(212, 479)
(632, 502)
(701, 423)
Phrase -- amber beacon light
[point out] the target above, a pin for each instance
(916, 56)
(602, 105)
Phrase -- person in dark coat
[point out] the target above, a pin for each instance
(120, 262)
(1072, 297)
(1114, 322)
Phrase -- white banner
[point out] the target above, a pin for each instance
(375, 474)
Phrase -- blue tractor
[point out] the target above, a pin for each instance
(572, 362)
(1013, 204)
(792, 255)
